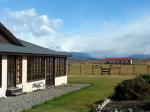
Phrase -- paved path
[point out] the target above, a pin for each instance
(16, 104)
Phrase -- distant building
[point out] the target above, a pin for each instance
(118, 60)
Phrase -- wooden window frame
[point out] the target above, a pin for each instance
(11, 71)
(50, 65)
(19, 63)
(60, 66)
(38, 67)
(35, 68)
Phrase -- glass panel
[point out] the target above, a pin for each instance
(35, 68)
(60, 66)
(11, 74)
(19, 70)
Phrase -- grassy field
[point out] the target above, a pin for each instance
(79, 101)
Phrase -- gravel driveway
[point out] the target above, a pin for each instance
(15, 104)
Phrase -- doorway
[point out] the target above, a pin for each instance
(14, 71)
(50, 71)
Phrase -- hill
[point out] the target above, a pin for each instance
(80, 56)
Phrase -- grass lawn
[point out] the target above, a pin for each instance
(79, 101)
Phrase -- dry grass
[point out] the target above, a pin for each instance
(86, 69)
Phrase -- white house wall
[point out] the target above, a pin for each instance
(4, 76)
(60, 80)
(24, 73)
(30, 86)
(131, 61)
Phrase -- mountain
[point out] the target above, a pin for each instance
(86, 56)
(80, 56)
(140, 56)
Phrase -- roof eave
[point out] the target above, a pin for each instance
(32, 54)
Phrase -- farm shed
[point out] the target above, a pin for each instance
(25, 67)
(118, 60)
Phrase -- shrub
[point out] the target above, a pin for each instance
(133, 89)
(145, 78)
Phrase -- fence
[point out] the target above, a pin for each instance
(102, 69)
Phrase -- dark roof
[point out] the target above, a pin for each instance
(9, 35)
(24, 47)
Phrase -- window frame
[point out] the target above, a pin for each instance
(35, 68)
(19, 70)
(60, 66)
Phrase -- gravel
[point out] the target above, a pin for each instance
(26, 101)
(141, 105)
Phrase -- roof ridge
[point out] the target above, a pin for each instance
(10, 35)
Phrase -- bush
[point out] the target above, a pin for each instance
(133, 89)
(145, 78)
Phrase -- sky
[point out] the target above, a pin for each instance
(102, 28)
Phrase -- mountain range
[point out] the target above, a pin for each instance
(140, 56)
(86, 56)
(80, 56)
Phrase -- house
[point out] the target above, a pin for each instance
(25, 67)
(118, 60)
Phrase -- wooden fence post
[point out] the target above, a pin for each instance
(147, 69)
(110, 68)
(92, 70)
(133, 70)
(101, 70)
(68, 68)
(120, 70)
(80, 69)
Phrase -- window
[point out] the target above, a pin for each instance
(19, 70)
(117, 61)
(0, 70)
(60, 66)
(35, 68)
(50, 65)
(122, 61)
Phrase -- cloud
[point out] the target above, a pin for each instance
(118, 40)
(113, 39)
(31, 26)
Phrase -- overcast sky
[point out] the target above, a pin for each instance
(102, 28)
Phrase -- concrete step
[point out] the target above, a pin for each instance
(18, 93)
(12, 91)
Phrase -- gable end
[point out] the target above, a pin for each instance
(7, 37)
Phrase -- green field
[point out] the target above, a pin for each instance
(79, 101)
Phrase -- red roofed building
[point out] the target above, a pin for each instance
(118, 60)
